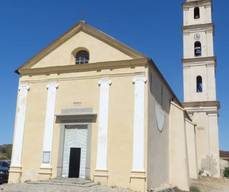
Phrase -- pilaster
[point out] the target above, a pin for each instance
(46, 167)
(138, 129)
(101, 172)
(16, 165)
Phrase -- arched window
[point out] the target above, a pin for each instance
(196, 13)
(199, 84)
(197, 48)
(82, 57)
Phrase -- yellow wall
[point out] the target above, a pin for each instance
(82, 90)
(191, 147)
(98, 50)
(158, 140)
(178, 157)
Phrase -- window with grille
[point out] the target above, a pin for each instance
(82, 57)
(199, 84)
(198, 48)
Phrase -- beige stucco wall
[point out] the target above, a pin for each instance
(164, 150)
(98, 50)
(158, 140)
(77, 90)
(206, 118)
(206, 39)
(205, 12)
(195, 30)
(81, 90)
(178, 159)
(205, 35)
(33, 132)
(191, 148)
(207, 72)
(207, 138)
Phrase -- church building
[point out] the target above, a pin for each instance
(90, 107)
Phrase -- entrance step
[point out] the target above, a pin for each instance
(66, 181)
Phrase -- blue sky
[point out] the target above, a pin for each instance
(151, 27)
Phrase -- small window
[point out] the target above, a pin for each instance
(82, 57)
(196, 13)
(197, 49)
(199, 84)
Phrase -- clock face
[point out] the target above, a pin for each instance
(197, 36)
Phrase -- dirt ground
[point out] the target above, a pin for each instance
(203, 184)
(212, 185)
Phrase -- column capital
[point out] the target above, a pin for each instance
(212, 113)
(104, 81)
(23, 86)
(52, 84)
(139, 78)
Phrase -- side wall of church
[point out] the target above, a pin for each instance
(158, 131)
(192, 149)
(178, 154)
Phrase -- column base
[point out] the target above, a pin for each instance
(138, 181)
(101, 177)
(45, 173)
(15, 174)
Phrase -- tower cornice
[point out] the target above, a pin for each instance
(202, 104)
(196, 3)
(205, 26)
(199, 59)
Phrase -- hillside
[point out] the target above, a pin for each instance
(5, 152)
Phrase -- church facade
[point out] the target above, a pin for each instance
(90, 107)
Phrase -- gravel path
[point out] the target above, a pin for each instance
(64, 185)
(59, 186)
(32, 187)
(77, 185)
(212, 185)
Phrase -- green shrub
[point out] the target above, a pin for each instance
(226, 172)
(194, 189)
(5, 152)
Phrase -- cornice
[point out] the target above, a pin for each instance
(84, 67)
(205, 26)
(202, 104)
(199, 59)
(196, 3)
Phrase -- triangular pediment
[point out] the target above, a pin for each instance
(101, 47)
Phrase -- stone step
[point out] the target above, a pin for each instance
(66, 181)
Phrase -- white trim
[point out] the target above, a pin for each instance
(49, 121)
(101, 163)
(19, 125)
(138, 129)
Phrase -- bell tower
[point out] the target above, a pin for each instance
(199, 70)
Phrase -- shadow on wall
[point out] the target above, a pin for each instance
(209, 164)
